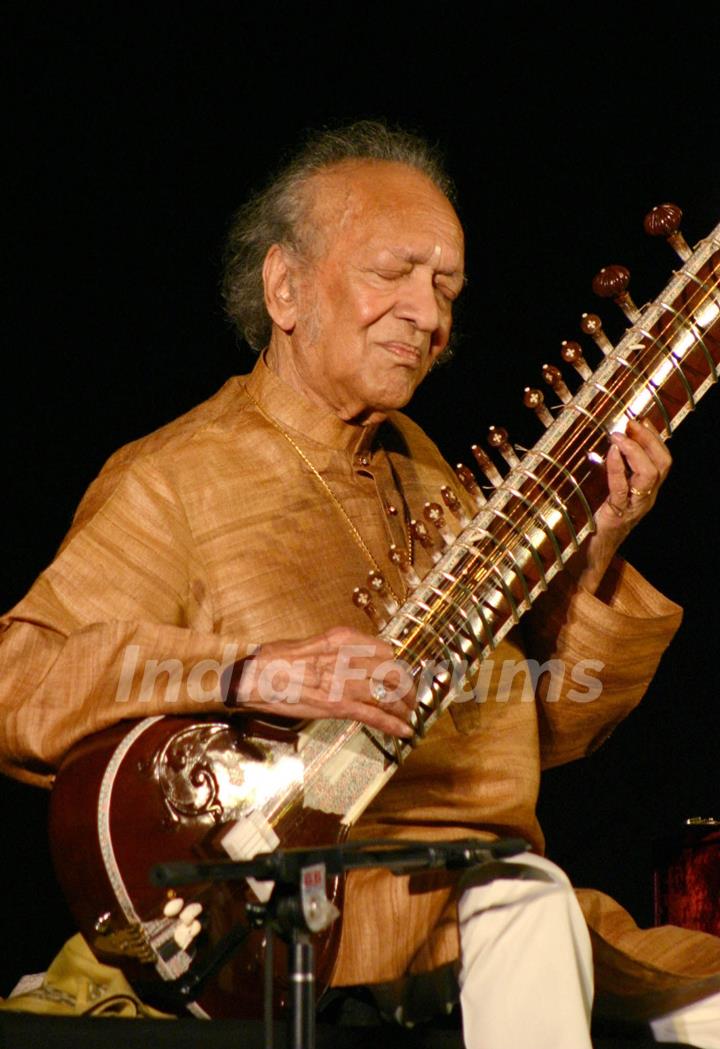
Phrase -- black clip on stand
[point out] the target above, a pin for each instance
(299, 906)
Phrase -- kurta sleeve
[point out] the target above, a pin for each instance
(609, 653)
(119, 626)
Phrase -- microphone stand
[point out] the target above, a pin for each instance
(299, 907)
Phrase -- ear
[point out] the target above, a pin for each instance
(279, 295)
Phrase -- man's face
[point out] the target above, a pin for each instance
(375, 305)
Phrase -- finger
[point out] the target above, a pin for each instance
(645, 434)
(314, 703)
(368, 681)
(645, 472)
(330, 675)
(377, 716)
(331, 644)
(616, 478)
(648, 437)
(327, 643)
(347, 666)
(393, 682)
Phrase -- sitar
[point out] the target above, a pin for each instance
(169, 788)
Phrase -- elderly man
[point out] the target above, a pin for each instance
(250, 520)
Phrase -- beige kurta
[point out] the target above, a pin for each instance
(212, 535)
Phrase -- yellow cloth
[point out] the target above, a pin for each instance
(214, 532)
(77, 984)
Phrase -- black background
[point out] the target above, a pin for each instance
(130, 138)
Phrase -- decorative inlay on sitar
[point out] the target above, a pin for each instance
(168, 788)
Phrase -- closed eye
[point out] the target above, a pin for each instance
(391, 274)
(450, 290)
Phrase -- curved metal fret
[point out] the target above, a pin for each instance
(650, 386)
(545, 526)
(533, 552)
(447, 645)
(690, 326)
(477, 605)
(458, 633)
(573, 482)
(711, 289)
(446, 597)
(556, 499)
(505, 551)
(504, 588)
(401, 643)
(443, 644)
(583, 411)
(670, 356)
(426, 626)
(624, 408)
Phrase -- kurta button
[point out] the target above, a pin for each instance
(362, 460)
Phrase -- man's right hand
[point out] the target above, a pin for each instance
(331, 675)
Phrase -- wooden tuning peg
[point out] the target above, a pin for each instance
(535, 399)
(400, 558)
(454, 505)
(498, 439)
(377, 586)
(433, 514)
(467, 479)
(486, 464)
(421, 535)
(553, 377)
(592, 326)
(664, 221)
(362, 598)
(571, 352)
(611, 283)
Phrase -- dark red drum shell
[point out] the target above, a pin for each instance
(687, 879)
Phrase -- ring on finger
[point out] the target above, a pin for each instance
(639, 493)
(378, 692)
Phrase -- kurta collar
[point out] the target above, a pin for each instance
(290, 409)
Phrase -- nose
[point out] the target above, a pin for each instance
(418, 301)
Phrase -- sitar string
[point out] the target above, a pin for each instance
(572, 452)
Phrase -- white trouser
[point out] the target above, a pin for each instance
(526, 976)
(697, 1024)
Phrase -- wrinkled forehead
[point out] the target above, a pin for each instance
(383, 203)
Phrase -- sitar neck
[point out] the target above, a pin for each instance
(544, 507)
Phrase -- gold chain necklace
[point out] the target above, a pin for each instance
(334, 499)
